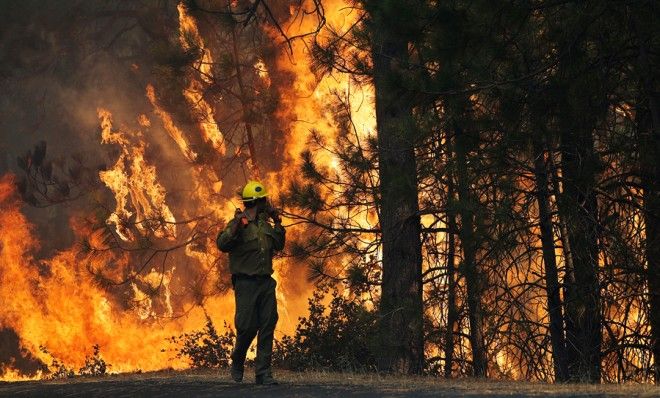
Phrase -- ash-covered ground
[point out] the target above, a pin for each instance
(308, 384)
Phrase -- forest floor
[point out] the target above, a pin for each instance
(307, 384)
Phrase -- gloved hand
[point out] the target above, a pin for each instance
(240, 220)
(274, 214)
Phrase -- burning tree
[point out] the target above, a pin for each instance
(482, 176)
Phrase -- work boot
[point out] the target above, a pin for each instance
(236, 373)
(266, 380)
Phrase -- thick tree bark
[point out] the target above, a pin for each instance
(582, 104)
(650, 153)
(401, 323)
(550, 262)
(473, 279)
(648, 116)
(580, 211)
(569, 280)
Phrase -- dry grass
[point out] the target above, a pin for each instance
(409, 383)
(385, 384)
(404, 383)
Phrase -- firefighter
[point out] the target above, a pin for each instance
(250, 239)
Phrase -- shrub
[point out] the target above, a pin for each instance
(339, 336)
(206, 348)
(94, 365)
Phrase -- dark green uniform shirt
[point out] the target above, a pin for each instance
(251, 249)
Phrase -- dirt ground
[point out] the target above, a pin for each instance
(309, 384)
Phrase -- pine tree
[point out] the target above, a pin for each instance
(400, 328)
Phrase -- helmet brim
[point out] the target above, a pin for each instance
(254, 198)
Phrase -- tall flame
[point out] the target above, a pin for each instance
(189, 37)
(133, 179)
(58, 303)
(174, 132)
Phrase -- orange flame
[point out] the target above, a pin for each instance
(57, 302)
(137, 182)
(170, 127)
(190, 37)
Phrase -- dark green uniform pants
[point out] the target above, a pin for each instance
(256, 312)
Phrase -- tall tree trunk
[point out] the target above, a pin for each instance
(580, 211)
(569, 280)
(550, 263)
(473, 278)
(649, 144)
(401, 321)
(649, 155)
(581, 104)
(579, 90)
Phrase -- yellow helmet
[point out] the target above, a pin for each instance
(254, 190)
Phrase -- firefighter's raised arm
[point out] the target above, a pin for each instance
(228, 237)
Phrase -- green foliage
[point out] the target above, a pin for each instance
(305, 195)
(335, 336)
(520, 82)
(206, 348)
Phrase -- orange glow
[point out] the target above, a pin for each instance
(169, 184)
(189, 36)
(67, 310)
(132, 179)
(170, 127)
